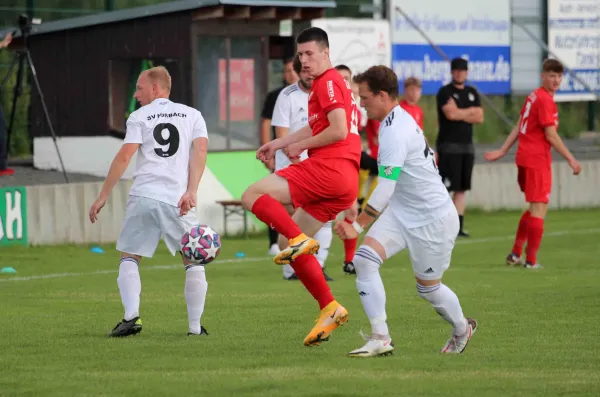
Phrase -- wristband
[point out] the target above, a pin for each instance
(357, 227)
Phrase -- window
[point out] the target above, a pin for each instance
(122, 78)
(229, 76)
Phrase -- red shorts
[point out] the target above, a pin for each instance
(536, 183)
(322, 187)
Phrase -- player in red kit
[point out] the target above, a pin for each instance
(319, 187)
(412, 94)
(536, 132)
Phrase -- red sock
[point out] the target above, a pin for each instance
(534, 238)
(274, 214)
(349, 246)
(309, 272)
(521, 234)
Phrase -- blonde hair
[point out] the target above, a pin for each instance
(160, 75)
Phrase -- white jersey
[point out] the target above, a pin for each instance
(420, 196)
(291, 111)
(165, 131)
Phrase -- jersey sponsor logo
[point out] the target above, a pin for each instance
(166, 115)
(330, 91)
(313, 117)
(471, 97)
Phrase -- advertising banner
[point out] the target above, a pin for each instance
(477, 30)
(357, 43)
(574, 38)
(13, 216)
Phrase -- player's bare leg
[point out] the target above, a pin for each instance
(195, 291)
(267, 199)
(368, 259)
(350, 244)
(446, 304)
(309, 272)
(535, 232)
(130, 288)
(460, 202)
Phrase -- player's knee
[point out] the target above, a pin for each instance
(366, 262)
(249, 197)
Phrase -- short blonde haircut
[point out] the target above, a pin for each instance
(412, 81)
(160, 75)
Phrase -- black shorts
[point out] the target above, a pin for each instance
(368, 163)
(456, 170)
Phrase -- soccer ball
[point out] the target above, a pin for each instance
(200, 245)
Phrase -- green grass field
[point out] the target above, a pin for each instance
(539, 329)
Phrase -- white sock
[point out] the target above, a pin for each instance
(446, 303)
(288, 271)
(324, 237)
(130, 287)
(195, 296)
(370, 288)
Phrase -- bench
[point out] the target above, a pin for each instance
(233, 207)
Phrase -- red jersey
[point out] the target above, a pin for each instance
(414, 110)
(330, 91)
(539, 112)
(373, 136)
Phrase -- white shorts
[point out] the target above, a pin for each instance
(146, 221)
(282, 160)
(430, 246)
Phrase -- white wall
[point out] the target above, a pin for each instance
(86, 155)
(58, 213)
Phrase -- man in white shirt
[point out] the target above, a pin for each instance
(419, 216)
(171, 144)
(290, 115)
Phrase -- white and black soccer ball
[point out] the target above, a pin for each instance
(200, 245)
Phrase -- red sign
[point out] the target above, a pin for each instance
(241, 90)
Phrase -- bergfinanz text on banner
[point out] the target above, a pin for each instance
(477, 30)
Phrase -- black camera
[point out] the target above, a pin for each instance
(26, 23)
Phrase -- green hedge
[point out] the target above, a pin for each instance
(19, 144)
(573, 118)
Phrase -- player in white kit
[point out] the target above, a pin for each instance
(291, 114)
(171, 144)
(419, 216)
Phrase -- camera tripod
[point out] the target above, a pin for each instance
(23, 55)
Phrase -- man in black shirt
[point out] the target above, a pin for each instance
(267, 132)
(458, 107)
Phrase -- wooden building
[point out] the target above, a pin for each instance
(223, 57)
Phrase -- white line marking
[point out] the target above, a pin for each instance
(262, 258)
(158, 267)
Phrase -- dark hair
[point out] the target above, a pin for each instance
(297, 65)
(287, 60)
(344, 67)
(317, 35)
(552, 65)
(379, 78)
